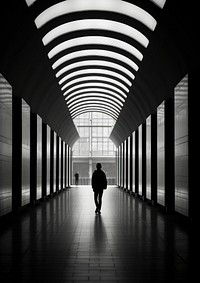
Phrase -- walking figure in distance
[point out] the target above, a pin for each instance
(76, 175)
(99, 183)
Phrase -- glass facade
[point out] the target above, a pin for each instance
(94, 130)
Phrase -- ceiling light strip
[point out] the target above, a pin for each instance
(103, 85)
(93, 96)
(96, 110)
(103, 105)
(90, 90)
(96, 101)
(95, 63)
(71, 6)
(95, 71)
(96, 24)
(99, 40)
(95, 52)
(95, 78)
(92, 108)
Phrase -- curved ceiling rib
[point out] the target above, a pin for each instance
(102, 85)
(88, 91)
(95, 109)
(95, 71)
(95, 59)
(96, 52)
(95, 78)
(96, 24)
(113, 6)
(93, 100)
(96, 97)
(160, 3)
(97, 105)
(100, 40)
(96, 63)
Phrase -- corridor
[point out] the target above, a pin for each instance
(62, 240)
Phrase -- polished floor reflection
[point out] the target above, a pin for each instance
(62, 240)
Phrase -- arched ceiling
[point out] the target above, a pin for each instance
(122, 58)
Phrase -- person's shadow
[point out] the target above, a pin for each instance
(100, 237)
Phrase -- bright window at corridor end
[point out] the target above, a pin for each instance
(94, 129)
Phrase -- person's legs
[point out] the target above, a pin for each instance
(100, 200)
(96, 200)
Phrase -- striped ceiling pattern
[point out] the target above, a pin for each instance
(96, 49)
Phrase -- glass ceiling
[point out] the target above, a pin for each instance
(95, 72)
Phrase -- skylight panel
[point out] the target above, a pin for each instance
(96, 24)
(121, 7)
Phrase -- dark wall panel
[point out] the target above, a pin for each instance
(181, 147)
(5, 147)
(25, 153)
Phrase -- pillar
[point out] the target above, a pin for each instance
(169, 156)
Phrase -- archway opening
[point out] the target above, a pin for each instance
(93, 146)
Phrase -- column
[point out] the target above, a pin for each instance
(169, 156)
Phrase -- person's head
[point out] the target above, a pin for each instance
(98, 166)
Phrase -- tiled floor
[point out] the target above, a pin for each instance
(62, 240)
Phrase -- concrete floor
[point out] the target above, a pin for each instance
(62, 240)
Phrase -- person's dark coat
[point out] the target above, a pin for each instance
(99, 181)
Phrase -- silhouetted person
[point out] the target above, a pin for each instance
(76, 175)
(99, 183)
